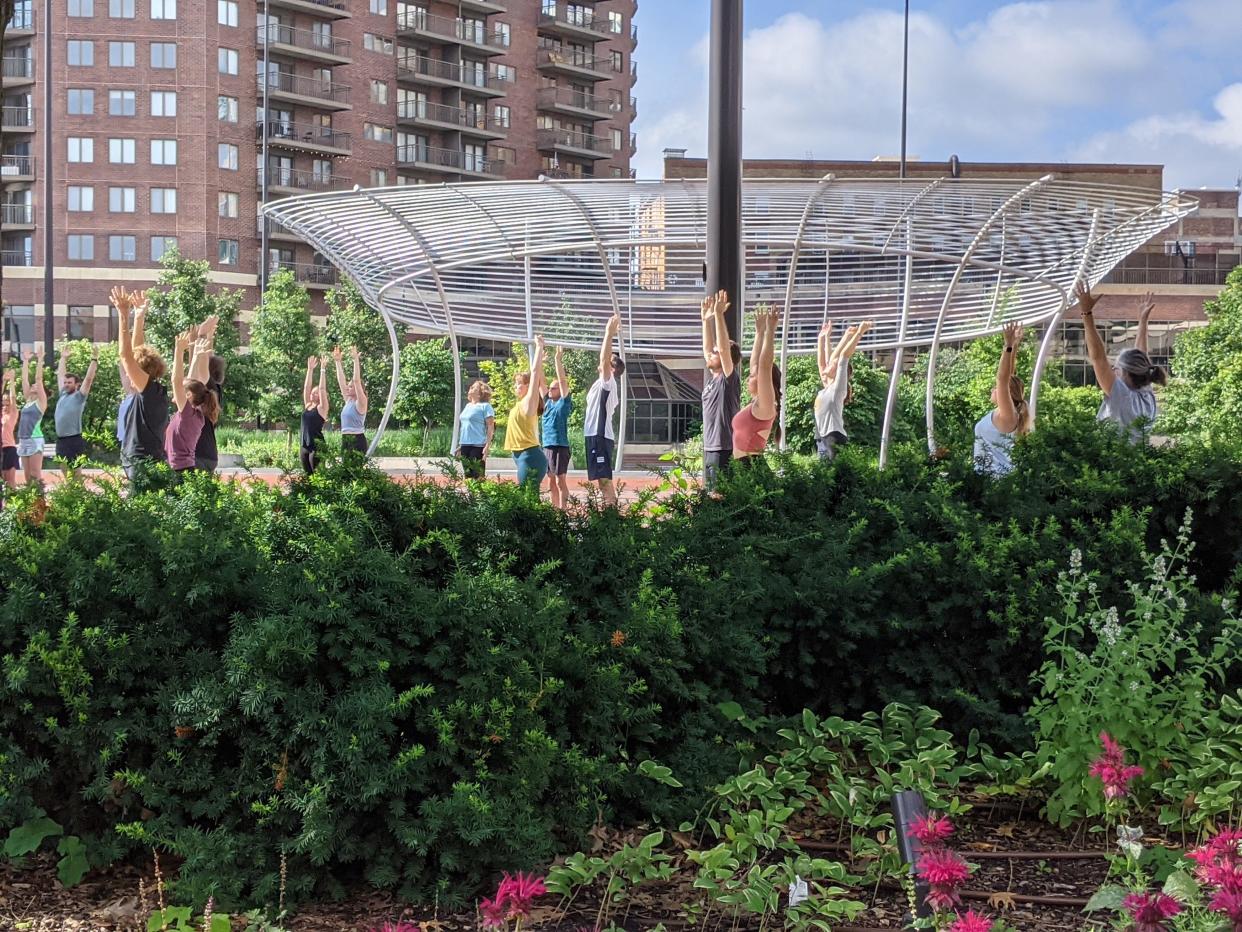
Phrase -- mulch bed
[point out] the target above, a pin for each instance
(1016, 856)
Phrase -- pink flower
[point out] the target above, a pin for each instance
(1229, 902)
(971, 922)
(512, 900)
(397, 927)
(493, 911)
(1150, 911)
(1111, 768)
(1219, 862)
(945, 872)
(931, 830)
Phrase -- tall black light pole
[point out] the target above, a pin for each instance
(905, 87)
(49, 239)
(724, 160)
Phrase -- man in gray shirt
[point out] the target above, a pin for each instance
(722, 391)
(69, 407)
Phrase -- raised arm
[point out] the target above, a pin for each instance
(180, 347)
(360, 390)
(324, 404)
(761, 357)
(125, 342)
(1096, 351)
(340, 370)
(720, 306)
(1008, 413)
(138, 299)
(849, 346)
(823, 350)
(204, 346)
(559, 357)
(1149, 305)
(308, 383)
(89, 382)
(709, 327)
(530, 403)
(605, 351)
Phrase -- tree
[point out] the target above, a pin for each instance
(181, 297)
(282, 338)
(425, 394)
(1205, 396)
(353, 322)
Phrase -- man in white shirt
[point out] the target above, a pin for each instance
(601, 403)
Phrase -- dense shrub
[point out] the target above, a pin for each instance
(419, 686)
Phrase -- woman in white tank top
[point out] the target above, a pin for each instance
(996, 431)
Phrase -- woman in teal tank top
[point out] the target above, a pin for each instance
(354, 413)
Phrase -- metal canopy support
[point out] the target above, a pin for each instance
(890, 401)
(1045, 346)
(724, 161)
(1000, 212)
(789, 289)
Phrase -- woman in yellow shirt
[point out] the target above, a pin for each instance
(522, 431)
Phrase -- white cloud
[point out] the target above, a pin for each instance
(1198, 149)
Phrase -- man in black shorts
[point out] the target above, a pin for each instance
(722, 391)
(602, 402)
(70, 404)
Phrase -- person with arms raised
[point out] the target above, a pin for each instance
(753, 424)
(196, 404)
(522, 429)
(30, 419)
(354, 411)
(836, 393)
(722, 390)
(70, 403)
(314, 413)
(558, 404)
(146, 417)
(996, 431)
(1129, 401)
(602, 401)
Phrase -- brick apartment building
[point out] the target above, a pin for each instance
(1183, 267)
(161, 136)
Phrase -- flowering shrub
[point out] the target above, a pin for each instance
(1150, 911)
(512, 901)
(1112, 771)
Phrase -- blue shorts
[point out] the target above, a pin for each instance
(599, 453)
(532, 466)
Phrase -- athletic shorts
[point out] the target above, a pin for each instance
(202, 464)
(32, 446)
(599, 451)
(558, 460)
(532, 466)
(70, 448)
(828, 446)
(715, 462)
(8, 459)
(355, 442)
(473, 466)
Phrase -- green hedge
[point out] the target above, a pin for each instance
(418, 687)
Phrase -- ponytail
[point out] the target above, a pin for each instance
(204, 399)
(1017, 393)
(1159, 376)
(777, 394)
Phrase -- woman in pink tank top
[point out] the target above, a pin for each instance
(752, 426)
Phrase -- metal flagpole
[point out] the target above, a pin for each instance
(264, 231)
(49, 238)
(724, 161)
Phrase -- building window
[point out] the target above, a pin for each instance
(503, 34)
(122, 151)
(121, 9)
(226, 12)
(81, 149)
(379, 92)
(163, 200)
(123, 248)
(227, 156)
(617, 140)
(122, 103)
(81, 199)
(549, 7)
(502, 116)
(80, 101)
(81, 53)
(81, 247)
(226, 60)
(82, 8)
(163, 54)
(321, 170)
(226, 109)
(163, 152)
(121, 54)
(227, 205)
(379, 7)
(373, 43)
(505, 73)
(226, 252)
(618, 62)
(164, 103)
(122, 200)
(19, 325)
(81, 322)
(161, 245)
(616, 22)
(377, 133)
(163, 9)
(379, 177)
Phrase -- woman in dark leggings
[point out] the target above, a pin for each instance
(314, 413)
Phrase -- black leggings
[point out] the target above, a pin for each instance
(310, 459)
(355, 442)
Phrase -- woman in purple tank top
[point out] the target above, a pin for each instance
(196, 403)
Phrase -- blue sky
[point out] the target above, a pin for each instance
(1040, 80)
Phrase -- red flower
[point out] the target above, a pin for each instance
(512, 900)
(1150, 911)
(945, 872)
(1111, 768)
(1229, 902)
(971, 922)
(931, 830)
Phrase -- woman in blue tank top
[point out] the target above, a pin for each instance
(996, 431)
(354, 413)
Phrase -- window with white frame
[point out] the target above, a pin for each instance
(227, 156)
(226, 12)
(227, 60)
(163, 152)
(81, 149)
(81, 198)
(122, 200)
(163, 200)
(163, 103)
(163, 54)
(122, 151)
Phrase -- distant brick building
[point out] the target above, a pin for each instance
(161, 131)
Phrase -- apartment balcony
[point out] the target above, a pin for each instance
(448, 162)
(564, 174)
(579, 105)
(440, 116)
(303, 43)
(633, 108)
(324, 9)
(304, 137)
(22, 23)
(419, 69)
(17, 257)
(582, 145)
(17, 70)
(17, 216)
(300, 181)
(633, 143)
(310, 274)
(275, 231)
(17, 168)
(17, 119)
(633, 72)
(581, 24)
(1167, 276)
(486, 7)
(415, 24)
(573, 64)
(284, 87)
